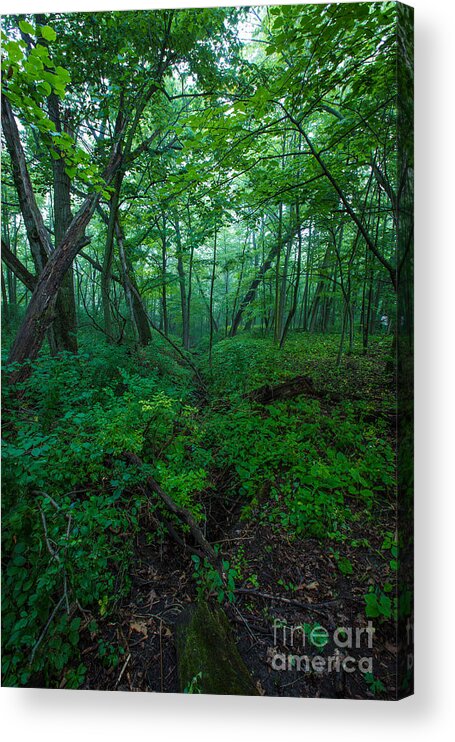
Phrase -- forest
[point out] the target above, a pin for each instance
(205, 229)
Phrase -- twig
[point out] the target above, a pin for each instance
(122, 670)
(244, 621)
(65, 582)
(172, 532)
(51, 499)
(54, 554)
(268, 596)
(161, 657)
(43, 633)
(83, 610)
(65, 592)
(226, 540)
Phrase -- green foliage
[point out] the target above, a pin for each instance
(344, 564)
(297, 466)
(110, 654)
(71, 503)
(209, 580)
(317, 634)
(289, 586)
(60, 554)
(379, 604)
(30, 75)
(390, 544)
(194, 684)
(375, 685)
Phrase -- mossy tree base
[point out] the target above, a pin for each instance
(206, 651)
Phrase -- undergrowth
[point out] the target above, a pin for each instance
(72, 503)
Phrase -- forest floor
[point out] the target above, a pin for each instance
(295, 489)
(286, 575)
(162, 586)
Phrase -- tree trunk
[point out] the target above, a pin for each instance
(293, 309)
(183, 300)
(207, 305)
(313, 314)
(37, 234)
(164, 272)
(65, 323)
(138, 313)
(5, 312)
(11, 241)
(16, 267)
(190, 276)
(251, 293)
(40, 311)
(349, 209)
(306, 292)
(106, 275)
(283, 291)
(212, 284)
(367, 318)
(240, 279)
(277, 328)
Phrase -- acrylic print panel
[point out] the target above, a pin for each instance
(207, 328)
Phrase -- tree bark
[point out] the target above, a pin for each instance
(277, 328)
(251, 293)
(5, 309)
(164, 272)
(293, 309)
(17, 268)
(40, 311)
(212, 284)
(138, 314)
(286, 390)
(283, 292)
(65, 323)
(190, 274)
(182, 284)
(106, 275)
(37, 234)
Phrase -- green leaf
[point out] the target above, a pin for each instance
(44, 88)
(14, 51)
(371, 606)
(345, 566)
(48, 33)
(63, 74)
(26, 27)
(75, 623)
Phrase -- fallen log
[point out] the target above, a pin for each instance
(207, 656)
(288, 389)
(151, 486)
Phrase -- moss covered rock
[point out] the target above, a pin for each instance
(207, 656)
